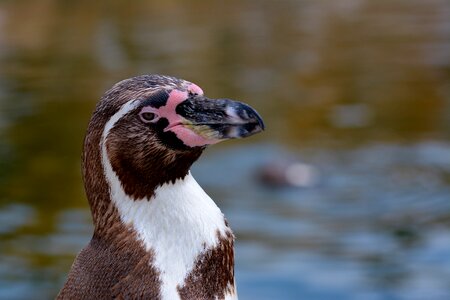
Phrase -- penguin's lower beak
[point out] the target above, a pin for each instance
(219, 119)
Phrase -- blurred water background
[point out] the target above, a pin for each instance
(346, 195)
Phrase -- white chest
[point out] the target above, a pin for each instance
(177, 224)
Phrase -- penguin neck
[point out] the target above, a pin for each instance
(179, 216)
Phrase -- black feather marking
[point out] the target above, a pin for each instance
(157, 99)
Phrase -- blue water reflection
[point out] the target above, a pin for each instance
(346, 195)
(372, 228)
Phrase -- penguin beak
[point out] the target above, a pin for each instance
(219, 119)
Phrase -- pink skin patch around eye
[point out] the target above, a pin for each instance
(168, 111)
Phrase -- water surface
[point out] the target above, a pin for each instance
(355, 95)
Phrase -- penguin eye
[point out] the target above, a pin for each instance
(147, 117)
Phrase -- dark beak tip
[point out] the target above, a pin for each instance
(259, 119)
(251, 117)
(261, 122)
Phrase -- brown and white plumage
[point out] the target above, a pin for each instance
(157, 234)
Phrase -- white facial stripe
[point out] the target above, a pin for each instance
(127, 107)
(179, 223)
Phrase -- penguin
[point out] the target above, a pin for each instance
(157, 234)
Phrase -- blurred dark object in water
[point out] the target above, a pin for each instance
(288, 172)
(408, 236)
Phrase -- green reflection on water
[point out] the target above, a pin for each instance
(322, 73)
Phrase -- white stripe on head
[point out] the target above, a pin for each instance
(178, 223)
(126, 108)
